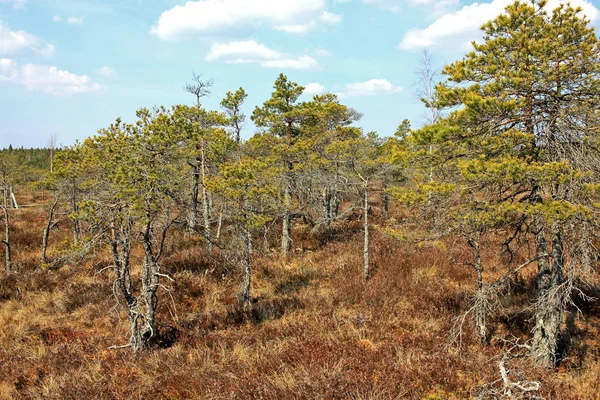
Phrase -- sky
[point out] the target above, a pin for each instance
(71, 67)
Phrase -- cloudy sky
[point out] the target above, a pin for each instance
(70, 67)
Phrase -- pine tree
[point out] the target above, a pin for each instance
(522, 136)
(281, 116)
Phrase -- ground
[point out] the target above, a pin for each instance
(316, 329)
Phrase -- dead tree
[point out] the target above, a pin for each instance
(52, 148)
(6, 240)
(512, 384)
(366, 243)
(486, 300)
(200, 88)
(50, 224)
(247, 254)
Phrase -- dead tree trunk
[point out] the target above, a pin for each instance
(266, 240)
(328, 210)
(245, 289)
(205, 202)
(194, 195)
(75, 218)
(49, 225)
(366, 253)
(481, 301)
(6, 241)
(219, 226)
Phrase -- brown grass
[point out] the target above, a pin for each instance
(316, 329)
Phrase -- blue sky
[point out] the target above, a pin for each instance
(70, 67)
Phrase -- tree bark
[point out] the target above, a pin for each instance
(286, 240)
(75, 221)
(541, 247)
(120, 245)
(50, 223)
(194, 196)
(6, 241)
(366, 253)
(327, 209)
(150, 282)
(245, 289)
(219, 226)
(206, 202)
(385, 199)
(586, 248)
(549, 306)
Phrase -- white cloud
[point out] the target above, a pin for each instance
(52, 80)
(435, 6)
(456, 30)
(314, 88)
(369, 88)
(56, 18)
(75, 20)
(303, 62)
(330, 18)
(214, 17)
(249, 51)
(8, 69)
(107, 72)
(12, 42)
(46, 78)
(15, 3)
(299, 28)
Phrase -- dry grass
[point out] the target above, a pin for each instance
(316, 329)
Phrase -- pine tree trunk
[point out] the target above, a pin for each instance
(327, 209)
(335, 204)
(586, 248)
(6, 241)
(150, 282)
(549, 306)
(206, 215)
(266, 240)
(366, 253)
(385, 199)
(541, 248)
(206, 203)
(75, 222)
(557, 256)
(120, 257)
(481, 311)
(245, 289)
(286, 241)
(219, 226)
(194, 197)
(47, 229)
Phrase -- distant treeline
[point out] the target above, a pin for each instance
(32, 164)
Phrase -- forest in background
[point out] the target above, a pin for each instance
(170, 258)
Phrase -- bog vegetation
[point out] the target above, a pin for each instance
(170, 258)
